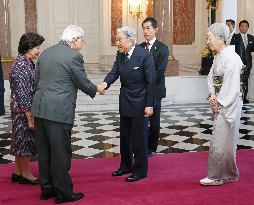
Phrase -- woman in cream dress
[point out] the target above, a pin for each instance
(226, 104)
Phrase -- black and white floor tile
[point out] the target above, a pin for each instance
(184, 128)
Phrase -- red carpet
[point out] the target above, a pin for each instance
(173, 180)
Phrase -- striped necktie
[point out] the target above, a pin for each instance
(245, 41)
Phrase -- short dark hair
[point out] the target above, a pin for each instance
(152, 20)
(231, 21)
(29, 41)
(244, 21)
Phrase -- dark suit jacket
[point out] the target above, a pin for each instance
(245, 54)
(60, 73)
(137, 77)
(160, 56)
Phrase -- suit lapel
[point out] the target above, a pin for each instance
(154, 47)
(143, 45)
(134, 52)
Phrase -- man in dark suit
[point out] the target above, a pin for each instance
(135, 67)
(231, 25)
(2, 110)
(244, 45)
(60, 73)
(160, 56)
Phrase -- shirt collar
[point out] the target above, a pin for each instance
(151, 42)
(131, 51)
(243, 35)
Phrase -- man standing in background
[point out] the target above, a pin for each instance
(244, 45)
(231, 25)
(160, 56)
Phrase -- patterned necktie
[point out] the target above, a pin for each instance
(147, 45)
(126, 57)
(245, 41)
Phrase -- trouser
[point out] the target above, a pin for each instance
(54, 156)
(133, 141)
(245, 81)
(154, 129)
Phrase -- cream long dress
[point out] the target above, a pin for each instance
(223, 143)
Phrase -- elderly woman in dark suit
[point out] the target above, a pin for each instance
(22, 85)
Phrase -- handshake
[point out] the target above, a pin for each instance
(101, 88)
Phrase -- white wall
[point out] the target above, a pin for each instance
(229, 10)
(17, 24)
(187, 89)
(55, 15)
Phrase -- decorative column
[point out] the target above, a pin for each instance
(163, 13)
(5, 33)
(30, 16)
(5, 46)
(116, 19)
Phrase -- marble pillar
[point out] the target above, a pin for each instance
(5, 46)
(5, 39)
(149, 8)
(183, 22)
(30, 16)
(116, 18)
(162, 12)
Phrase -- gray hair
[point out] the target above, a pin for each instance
(219, 30)
(129, 32)
(71, 32)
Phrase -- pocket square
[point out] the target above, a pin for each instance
(135, 68)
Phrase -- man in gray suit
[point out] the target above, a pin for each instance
(60, 73)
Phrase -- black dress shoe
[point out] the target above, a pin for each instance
(47, 194)
(120, 172)
(134, 177)
(73, 197)
(24, 180)
(15, 177)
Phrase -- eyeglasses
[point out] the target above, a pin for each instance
(82, 39)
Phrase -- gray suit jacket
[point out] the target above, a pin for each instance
(60, 73)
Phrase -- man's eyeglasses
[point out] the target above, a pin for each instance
(82, 39)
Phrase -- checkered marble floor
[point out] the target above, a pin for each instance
(184, 128)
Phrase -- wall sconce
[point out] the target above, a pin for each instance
(137, 8)
(213, 4)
